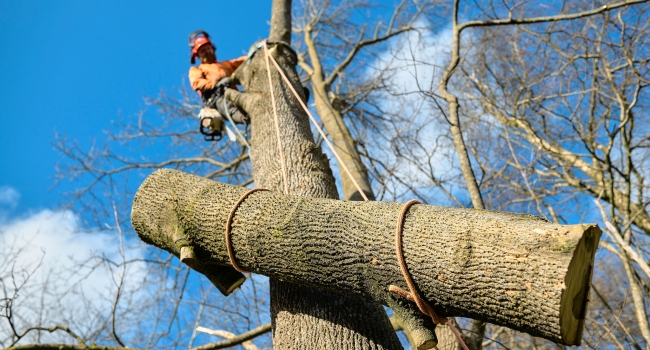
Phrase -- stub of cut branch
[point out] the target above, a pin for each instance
(518, 271)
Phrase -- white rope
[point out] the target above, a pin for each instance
(277, 123)
(232, 122)
(311, 117)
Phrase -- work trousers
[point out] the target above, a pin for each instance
(215, 99)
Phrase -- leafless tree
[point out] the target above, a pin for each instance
(110, 172)
(407, 167)
(554, 108)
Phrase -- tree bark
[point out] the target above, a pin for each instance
(519, 271)
(338, 131)
(280, 21)
(418, 327)
(302, 317)
(473, 338)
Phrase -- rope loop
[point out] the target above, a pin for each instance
(231, 253)
(412, 294)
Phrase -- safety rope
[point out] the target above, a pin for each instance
(424, 307)
(277, 123)
(232, 122)
(231, 253)
(412, 294)
(311, 117)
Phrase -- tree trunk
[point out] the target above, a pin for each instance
(302, 317)
(473, 338)
(418, 327)
(519, 271)
(338, 131)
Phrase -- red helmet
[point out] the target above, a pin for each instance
(196, 40)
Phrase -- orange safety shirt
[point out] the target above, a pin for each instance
(206, 75)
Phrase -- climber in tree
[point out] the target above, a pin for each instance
(210, 79)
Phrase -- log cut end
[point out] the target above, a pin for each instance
(573, 305)
(225, 278)
(422, 338)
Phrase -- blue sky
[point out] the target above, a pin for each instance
(73, 66)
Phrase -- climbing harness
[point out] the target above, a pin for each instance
(212, 119)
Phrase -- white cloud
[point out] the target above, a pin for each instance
(417, 62)
(9, 196)
(55, 234)
(59, 274)
(418, 59)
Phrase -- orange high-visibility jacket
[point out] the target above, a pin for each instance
(207, 75)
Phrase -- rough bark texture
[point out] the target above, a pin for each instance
(474, 338)
(280, 21)
(446, 338)
(418, 327)
(339, 133)
(302, 318)
(514, 270)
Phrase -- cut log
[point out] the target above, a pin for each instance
(518, 271)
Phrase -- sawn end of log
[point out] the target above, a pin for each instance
(515, 270)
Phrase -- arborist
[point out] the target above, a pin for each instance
(210, 79)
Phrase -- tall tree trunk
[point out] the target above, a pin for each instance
(339, 132)
(418, 328)
(302, 317)
(473, 338)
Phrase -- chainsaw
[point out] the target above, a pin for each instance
(214, 113)
(212, 125)
(212, 118)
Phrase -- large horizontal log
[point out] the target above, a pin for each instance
(519, 271)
